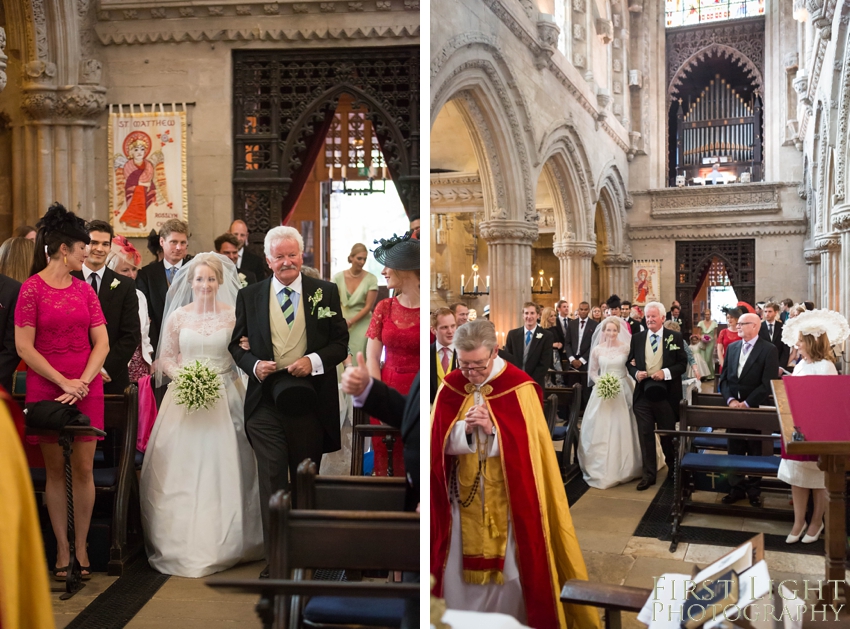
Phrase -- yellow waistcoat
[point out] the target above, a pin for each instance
(656, 360)
(289, 344)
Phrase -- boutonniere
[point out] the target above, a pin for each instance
(668, 343)
(243, 280)
(315, 299)
(115, 283)
(539, 335)
(325, 313)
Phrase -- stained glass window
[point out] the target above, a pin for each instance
(688, 12)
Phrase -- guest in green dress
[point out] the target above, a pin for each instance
(708, 327)
(358, 290)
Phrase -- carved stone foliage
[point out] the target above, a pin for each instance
(573, 249)
(546, 219)
(283, 98)
(757, 198)
(741, 40)
(506, 232)
(456, 192)
(78, 103)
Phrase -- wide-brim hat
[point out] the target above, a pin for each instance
(292, 395)
(400, 253)
(654, 390)
(815, 323)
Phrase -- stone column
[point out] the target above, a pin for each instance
(841, 225)
(617, 271)
(54, 148)
(509, 252)
(576, 258)
(812, 257)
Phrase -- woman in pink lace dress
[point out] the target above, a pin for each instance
(395, 328)
(60, 333)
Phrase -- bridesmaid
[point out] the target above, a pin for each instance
(708, 327)
(358, 290)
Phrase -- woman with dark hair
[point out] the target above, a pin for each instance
(60, 333)
(728, 335)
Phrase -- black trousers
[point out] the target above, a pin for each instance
(280, 444)
(648, 415)
(751, 485)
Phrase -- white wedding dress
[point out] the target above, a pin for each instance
(609, 448)
(199, 489)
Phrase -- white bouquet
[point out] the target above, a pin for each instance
(608, 386)
(197, 386)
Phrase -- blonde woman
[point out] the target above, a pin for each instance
(708, 328)
(358, 290)
(16, 258)
(549, 319)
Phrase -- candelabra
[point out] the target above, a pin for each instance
(371, 172)
(540, 287)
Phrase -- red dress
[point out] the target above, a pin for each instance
(726, 337)
(397, 328)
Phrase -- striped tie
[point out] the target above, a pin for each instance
(653, 342)
(286, 306)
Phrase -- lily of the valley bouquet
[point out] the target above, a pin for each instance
(608, 386)
(197, 386)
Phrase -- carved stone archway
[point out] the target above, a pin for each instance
(716, 50)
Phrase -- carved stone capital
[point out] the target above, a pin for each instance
(811, 256)
(547, 32)
(841, 217)
(506, 232)
(828, 242)
(573, 249)
(616, 260)
(80, 103)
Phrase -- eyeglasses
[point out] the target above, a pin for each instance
(741, 325)
(476, 368)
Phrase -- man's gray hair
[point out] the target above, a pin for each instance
(474, 334)
(658, 306)
(279, 233)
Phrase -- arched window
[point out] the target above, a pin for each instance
(689, 12)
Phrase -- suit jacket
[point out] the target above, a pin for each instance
(400, 411)
(572, 347)
(539, 360)
(433, 358)
(120, 307)
(561, 338)
(782, 349)
(153, 283)
(676, 360)
(326, 337)
(250, 278)
(254, 264)
(636, 326)
(9, 290)
(753, 385)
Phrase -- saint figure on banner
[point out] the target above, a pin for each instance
(643, 286)
(141, 174)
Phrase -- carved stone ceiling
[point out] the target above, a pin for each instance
(451, 147)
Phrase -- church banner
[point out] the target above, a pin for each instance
(646, 278)
(147, 169)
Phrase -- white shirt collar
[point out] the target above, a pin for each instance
(239, 264)
(87, 273)
(440, 346)
(168, 265)
(295, 286)
(498, 365)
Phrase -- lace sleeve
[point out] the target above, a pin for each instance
(593, 365)
(377, 324)
(96, 317)
(168, 356)
(26, 310)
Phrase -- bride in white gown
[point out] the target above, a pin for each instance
(609, 447)
(199, 489)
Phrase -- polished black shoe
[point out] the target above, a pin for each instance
(732, 497)
(644, 484)
(755, 500)
(265, 573)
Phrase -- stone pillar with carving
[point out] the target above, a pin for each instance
(576, 259)
(841, 225)
(54, 148)
(829, 247)
(509, 251)
(614, 275)
(812, 257)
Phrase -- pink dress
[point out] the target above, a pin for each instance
(62, 318)
(397, 328)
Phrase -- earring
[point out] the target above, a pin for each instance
(65, 260)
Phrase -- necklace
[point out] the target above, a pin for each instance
(350, 274)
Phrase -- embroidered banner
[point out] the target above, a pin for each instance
(646, 276)
(147, 169)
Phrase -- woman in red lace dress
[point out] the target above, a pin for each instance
(60, 333)
(728, 335)
(395, 329)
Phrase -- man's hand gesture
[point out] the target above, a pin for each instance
(356, 379)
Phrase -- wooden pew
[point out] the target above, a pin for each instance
(348, 493)
(303, 540)
(571, 377)
(114, 475)
(360, 430)
(716, 399)
(612, 598)
(569, 399)
(691, 420)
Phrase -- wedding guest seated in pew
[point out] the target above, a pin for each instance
(751, 363)
(491, 453)
(811, 334)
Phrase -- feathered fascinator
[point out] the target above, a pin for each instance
(125, 250)
(59, 220)
(153, 242)
(816, 322)
(613, 302)
(400, 253)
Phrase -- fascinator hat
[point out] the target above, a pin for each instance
(58, 221)
(815, 323)
(400, 253)
(122, 248)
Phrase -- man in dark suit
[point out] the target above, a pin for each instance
(531, 346)
(635, 321)
(771, 331)
(750, 365)
(120, 304)
(228, 246)
(657, 360)
(297, 337)
(247, 261)
(562, 327)
(577, 348)
(674, 306)
(155, 278)
(442, 353)
(9, 290)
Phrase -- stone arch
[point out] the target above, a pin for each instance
(715, 50)
(841, 94)
(471, 70)
(614, 200)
